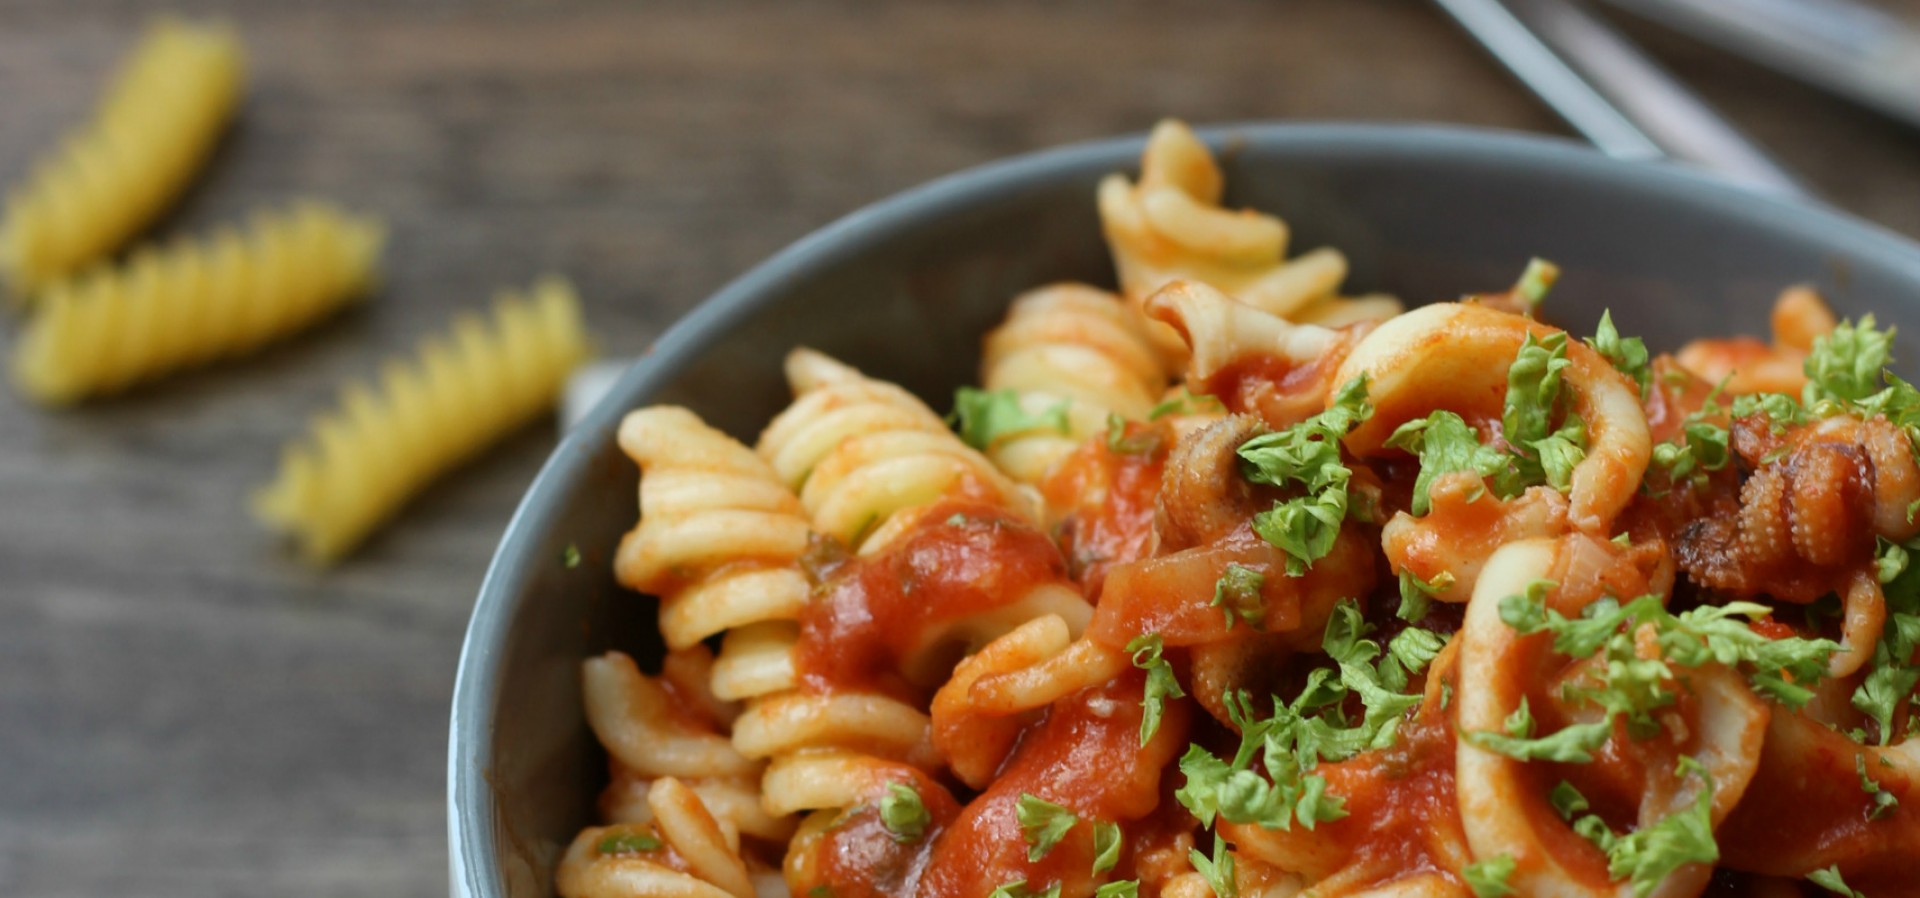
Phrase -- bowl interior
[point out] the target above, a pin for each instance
(905, 290)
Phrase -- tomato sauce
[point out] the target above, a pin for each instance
(1172, 595)
(1084, 755)
(1276, 389)
(1105, 500)
(960, 558)
(854, 855)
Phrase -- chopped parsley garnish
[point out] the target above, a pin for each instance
(1566, 800)
(1574, 744)
(1488, 878)
(1534, 453)
(1830, 880)
(1307, 456)
(1018, 889)
(1312, 728)
(1705, 446)
(1782, 669)
(1416, 595)
(903, 814)
(1415, 648)
(1891, 681)
(1780, 409)
(1628, 355)
(570, 557)
(1561, 452)
(1535, 280)
(1187, 403)
(1106, 845)
(1120, 443)
(1533, 388)
(985, 417)
(1042, 824)
(1161, 683)
(1845, 365)
(628, 843)
(1445, 444)
(1648, 855)
(1884, 801)
(1237, 594)
(1125, 888)
(1217, 870)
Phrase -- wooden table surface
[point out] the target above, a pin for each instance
(184, 709)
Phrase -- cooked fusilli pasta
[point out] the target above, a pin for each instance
(1076, 349)
(1170, 226)
(154, 128)
(1427, 605)
(174, 307)
(461, 392)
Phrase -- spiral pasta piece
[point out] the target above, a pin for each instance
(860, 451)
(879, 473)
(1253, 360)
(195, 302)
(649, 737)
(1071, 344)
(994, 694)
(685, 853)
(460, 393)
(718, 533)
(1170, 225)
(153, 130)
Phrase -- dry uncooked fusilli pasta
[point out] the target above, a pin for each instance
(153, 130)
(460, 393)
(174, 307)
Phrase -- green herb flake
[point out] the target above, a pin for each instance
(628, 843)
(1106, 846)
(1830, 880)
(1445, 444)
(903, 814)
(1416, 595)
(1237, 595)
(1647, 856)
(1306, 455)
(1119, 442)
(1187, 403)
(1488, 878)
(1161, 683)
(1573, 745)
(985, 417)
(1217, 870)
(1533, 388)
(1845, 365)
(1566, 800)
(1884, 801)
(1042, 824)
(1627, 355)
(1535, 281)
(1125, 888)
(1018, 889)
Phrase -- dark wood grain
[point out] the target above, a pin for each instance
(184, 710)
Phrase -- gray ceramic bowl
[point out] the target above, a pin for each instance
(905, 288)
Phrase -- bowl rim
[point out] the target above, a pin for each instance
(471, 822)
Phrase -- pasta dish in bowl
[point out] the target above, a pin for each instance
(1232, 581)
